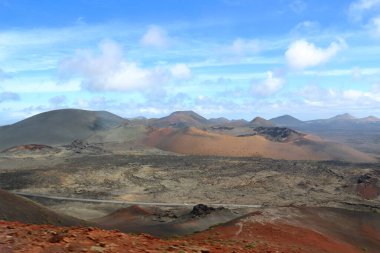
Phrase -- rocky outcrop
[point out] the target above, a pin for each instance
(80, 146)
(203, 210)
(277, 134)
(222, 128)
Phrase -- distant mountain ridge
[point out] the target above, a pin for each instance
(345, 116)
(286, 120)
(289, 121)
(180, 119)
(261, 122)
(221, 120)
(369, 119)
(360, 133)
(61, 127)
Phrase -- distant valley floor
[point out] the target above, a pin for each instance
(194, 179)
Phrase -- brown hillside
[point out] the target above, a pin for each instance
(165, 223)
(194, 141)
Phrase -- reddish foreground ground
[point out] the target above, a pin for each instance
(244, 236)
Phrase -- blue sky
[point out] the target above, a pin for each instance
(237, 59)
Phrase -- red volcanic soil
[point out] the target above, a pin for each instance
(272, 237)
(368, 191)
(194, 141)
(367, 187)
(244, 236)
(156, 134)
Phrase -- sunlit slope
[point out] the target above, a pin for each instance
(198, 142)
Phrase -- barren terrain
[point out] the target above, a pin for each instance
(267, 189)
(288, 230)
(194, 179)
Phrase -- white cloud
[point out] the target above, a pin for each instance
(181, 71)
(359, 7)
(241, 46)
(270, 85)
(365, 96)
(353, 94)
(41, 48)
(110, 71)
(156, 37)
(303, 54)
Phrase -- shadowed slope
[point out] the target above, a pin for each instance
(151, 220)
(16, 208)
(57, 127)
(121, 134)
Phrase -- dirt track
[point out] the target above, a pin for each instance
(105, 201)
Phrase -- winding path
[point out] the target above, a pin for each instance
(24, 194)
